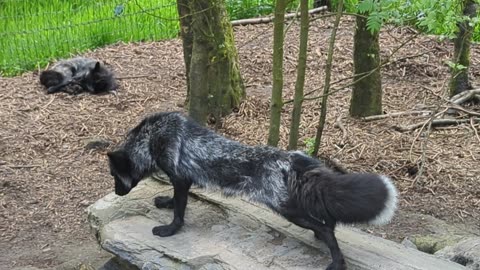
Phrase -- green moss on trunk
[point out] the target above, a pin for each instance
(214, 75)
(459, 81)
(299, 84)
(187, 38)
(277, 103)
(367, 90)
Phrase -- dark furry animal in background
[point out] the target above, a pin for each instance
(78, 75)
(294, 185)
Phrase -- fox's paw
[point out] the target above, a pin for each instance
(163, 202)
(337, 266)
(165, 230)
(52, 90)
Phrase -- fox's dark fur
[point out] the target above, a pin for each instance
(294, 185)
(77, 75)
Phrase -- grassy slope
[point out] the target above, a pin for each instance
(34, 32)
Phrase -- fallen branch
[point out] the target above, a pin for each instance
(395, 114)
(132, 77)
(435, 123)
(270, 18)
(464, 96)
(424, 152)
(460, 108)
(21, 166)
(474, 129)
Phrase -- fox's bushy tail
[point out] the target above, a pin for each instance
(349, 198)
(51, 78)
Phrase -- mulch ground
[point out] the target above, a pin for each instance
(48, 177)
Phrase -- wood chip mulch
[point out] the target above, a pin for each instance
(48, 177)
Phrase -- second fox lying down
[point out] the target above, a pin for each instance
(301, 189)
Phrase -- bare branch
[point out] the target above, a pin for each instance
(474, 129)
(328, 73)
(460, 108)
(464, 96)
(270, 18)
(395, 114)
(435, 123)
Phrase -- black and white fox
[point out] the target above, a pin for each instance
(300, 188)
(77, 75)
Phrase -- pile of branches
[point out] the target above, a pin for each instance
(450, 113)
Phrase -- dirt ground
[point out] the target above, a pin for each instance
(48, 177)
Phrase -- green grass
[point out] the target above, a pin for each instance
(35, 32)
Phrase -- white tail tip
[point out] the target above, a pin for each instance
(386, 215)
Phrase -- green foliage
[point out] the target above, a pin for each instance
(438, 17)
(309, 145)
(455, 66)
(32, 33)
(241, 9)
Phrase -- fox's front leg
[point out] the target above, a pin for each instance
(58, 87)
(163, 202)
(180, 197)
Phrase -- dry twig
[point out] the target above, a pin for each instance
(270, 18)
(395, 114)
(435, 123)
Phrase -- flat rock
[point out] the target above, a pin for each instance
(466, 252)
(221, 234)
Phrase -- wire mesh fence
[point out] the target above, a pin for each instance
(34, 32)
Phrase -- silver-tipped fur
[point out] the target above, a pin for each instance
(386, 215)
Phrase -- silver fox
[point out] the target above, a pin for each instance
(300, 188)
(77, 75)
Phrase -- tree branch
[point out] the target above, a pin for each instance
(328, 73)
(270, 18)
(435, 123)
(395, 114)
(464, 96)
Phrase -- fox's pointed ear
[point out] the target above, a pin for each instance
(97, 67)
(119, 159)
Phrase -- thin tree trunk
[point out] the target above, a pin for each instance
(198, 99)
(186, 34)
(215, 80)
(367, 92)
(328, 74)
(299, 84)
(460, 80)
(276, 104)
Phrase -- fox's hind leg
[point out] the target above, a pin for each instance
(324, 232)
(58, 87)
(180, 197)
(163, 202)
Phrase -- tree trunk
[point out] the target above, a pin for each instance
(277, 103)
(460, 81)
(328, 73)
(299, 84)
(216, 86)
(186, 34)
(367, 89)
